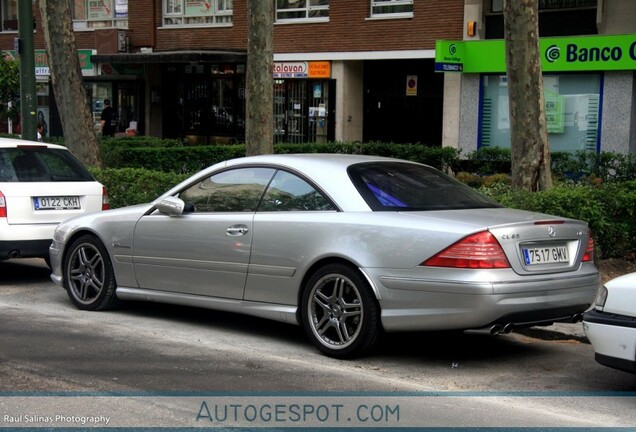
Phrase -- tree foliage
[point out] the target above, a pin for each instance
(9, 87)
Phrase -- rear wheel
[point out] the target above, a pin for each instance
(339, 311)
(88, 275)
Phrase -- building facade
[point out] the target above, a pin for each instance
(360, 70)
(588, 55)
(355, 70)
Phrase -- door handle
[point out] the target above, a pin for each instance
(237, 230)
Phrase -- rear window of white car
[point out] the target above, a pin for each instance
(399, 186)
(40, 164)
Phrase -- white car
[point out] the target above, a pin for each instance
(40, 186)
(611, 324)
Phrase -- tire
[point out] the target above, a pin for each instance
(339, 312)
(88, 275)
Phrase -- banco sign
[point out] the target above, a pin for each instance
(599, 54)
(567, 54)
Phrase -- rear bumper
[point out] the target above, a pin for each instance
(24, 249)
(613, 338)
(25, 240)
(410, 304)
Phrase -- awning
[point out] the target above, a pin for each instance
(173, 57)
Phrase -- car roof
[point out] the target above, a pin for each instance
(14, 142)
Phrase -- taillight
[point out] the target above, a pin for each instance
(589, 249)
(105, 199)
(3, 206)
(478, 251)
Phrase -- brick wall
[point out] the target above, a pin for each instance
(348, 29)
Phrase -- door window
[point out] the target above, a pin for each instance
(238, 190)
(288, 192)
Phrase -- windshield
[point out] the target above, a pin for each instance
(401, 186)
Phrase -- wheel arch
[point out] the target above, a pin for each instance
(326, 261)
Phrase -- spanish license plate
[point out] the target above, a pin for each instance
(57, 203)
(545, 255)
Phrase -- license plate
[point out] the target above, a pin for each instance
(545, 255)
(57, 203)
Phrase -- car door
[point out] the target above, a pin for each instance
(204, 251)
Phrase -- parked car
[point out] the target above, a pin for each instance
(611, 324)
(345, 246)
(41, 185)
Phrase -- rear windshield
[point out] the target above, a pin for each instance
(400, 186)
(40, 164)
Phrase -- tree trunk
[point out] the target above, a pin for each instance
(529, 146)
(259, 125)
(66, 75)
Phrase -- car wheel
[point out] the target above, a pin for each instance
(88, 275)
(339, 311)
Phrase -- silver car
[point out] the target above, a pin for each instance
(345, 246)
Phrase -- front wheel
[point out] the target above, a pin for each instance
(88, 275)
(339, 311)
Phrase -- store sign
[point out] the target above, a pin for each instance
(312, 69)
(567, 54)
(100, 9)
(42, 61)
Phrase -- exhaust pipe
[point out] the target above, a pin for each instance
(14, 254)
(495, 330)
(577, 318)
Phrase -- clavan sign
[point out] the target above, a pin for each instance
(312, 69)
(571, 54)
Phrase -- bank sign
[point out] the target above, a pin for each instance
(567, 54)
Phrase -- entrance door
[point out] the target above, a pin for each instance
(127, 107)
(302, 110)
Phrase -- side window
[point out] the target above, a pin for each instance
(238, 190)
(288, 192)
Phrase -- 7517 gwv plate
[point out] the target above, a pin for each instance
(545, 255)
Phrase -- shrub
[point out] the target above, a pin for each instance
(128, 186)
(608, 208)
(472, 180)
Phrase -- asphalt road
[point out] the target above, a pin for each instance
(179, 362)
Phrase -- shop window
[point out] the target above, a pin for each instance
(391, 8)
(302, 10)
(99, 13)
(9, 15)
(572, 109)
(197, 12)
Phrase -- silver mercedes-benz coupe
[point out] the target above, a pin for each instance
(345, 246)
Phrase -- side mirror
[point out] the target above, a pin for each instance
(171, 206)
